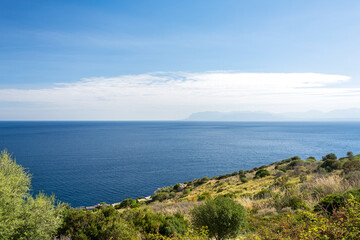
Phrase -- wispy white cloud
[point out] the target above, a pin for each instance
(174, 95)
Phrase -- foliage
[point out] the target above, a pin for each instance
(330, 156)
(128, 203)
(243, 178)
(21, 215)
(290, 201)
(222, 216)
(174, 224)
(330, 203)
(344, 224)
(150, 223)
(177, 186)
(330, 164)
(262, 173)
(103, 224)
(351, 165)
(204, 196)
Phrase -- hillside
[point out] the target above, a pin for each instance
(269, 193)
(290, 199)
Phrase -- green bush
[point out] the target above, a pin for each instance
(330, 203)
(228, 195)
(311, 159)
(293, 164)
(144, 220)
(175, 224)
(330, 156)
(204, 196)
(351, 165)
(331, 164)
(243, 178)
(104, 224)
(289, 200)
(21, 215)
(223, 217)
(262, 173)
(176, 186)
(128, 203)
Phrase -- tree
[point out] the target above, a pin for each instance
(330, 156)
(222, 216)
(350, 156)
(21, 215)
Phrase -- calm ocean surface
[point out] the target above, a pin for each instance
(84, 163)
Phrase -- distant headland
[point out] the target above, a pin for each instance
(351, 114)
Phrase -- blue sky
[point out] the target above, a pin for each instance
(46, 44)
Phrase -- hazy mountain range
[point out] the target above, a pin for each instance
(352, 114)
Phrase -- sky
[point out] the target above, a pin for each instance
(163, 60)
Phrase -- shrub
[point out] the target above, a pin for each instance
(145, 220)
(161, 196)
(330, 203)
(330, 164)
(176, 186)
(204, 196)
(289, 201)
(350, 155)
(104, 223)
(187, 191)
(330, 156)
(351, 165)
(293, 164)
(167, 189)
(311, 159)
(335, 201)
(128, 203)
(307, 225)
(262, 173)
(175, 224)
(229, 195)
(204, 180)
(223, 217)
(21, 215)
(243, 178)
(295, 158)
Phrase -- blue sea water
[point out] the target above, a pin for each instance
(84, 163)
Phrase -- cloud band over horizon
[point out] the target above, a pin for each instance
(175, 95)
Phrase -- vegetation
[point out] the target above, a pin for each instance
(223, 217)
(289, 199)
(21, 215)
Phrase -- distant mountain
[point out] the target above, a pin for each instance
(352, 114)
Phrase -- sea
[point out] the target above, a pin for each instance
(85, 163)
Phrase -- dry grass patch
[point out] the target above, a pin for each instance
(170, 208)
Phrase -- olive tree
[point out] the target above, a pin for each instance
(223, 217)
(21, 215)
